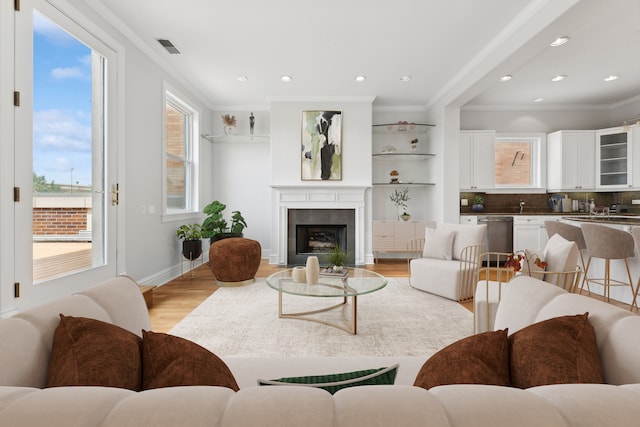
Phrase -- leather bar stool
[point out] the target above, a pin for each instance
(608, 243)
(572, 233)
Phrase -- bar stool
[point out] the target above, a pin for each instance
(572, 233)
(608, 243)
(635, 232)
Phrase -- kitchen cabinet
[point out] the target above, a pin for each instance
(614, 158)
(571, 160)
(468, 219)
(393, 236)
(477, 160)
(529, 232)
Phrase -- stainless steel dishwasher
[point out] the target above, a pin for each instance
(499, 236)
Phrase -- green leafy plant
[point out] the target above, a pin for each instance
(478, 200)
(215, 223)
(189, 232)
(337, 256)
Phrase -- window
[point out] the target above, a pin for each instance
(180, 128)
(517, 162)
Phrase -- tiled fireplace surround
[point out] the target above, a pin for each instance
(311, 197)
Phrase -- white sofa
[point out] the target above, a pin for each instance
(25, 342)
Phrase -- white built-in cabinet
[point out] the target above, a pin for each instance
(477, 160)
(393, 236)
(571, 160)
(529, 232)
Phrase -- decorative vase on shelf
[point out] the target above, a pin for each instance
(477, 207)
(312, 270)
(405, 216)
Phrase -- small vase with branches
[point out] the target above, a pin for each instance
(400, 199)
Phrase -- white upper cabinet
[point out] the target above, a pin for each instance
(477, 160)
(614, 158)
(571, 160)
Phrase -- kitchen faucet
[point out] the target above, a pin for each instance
(521, 206)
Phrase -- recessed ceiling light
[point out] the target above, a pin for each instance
(506, 78)
(405, 78)
(360, 79)
(559, 41)
(559, 77)
(286, 79)
(242, 78)
(538, 100)
(610, 78)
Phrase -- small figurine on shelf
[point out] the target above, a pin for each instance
(394, 174)
(252, 122)
(414, 145)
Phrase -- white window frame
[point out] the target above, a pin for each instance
(170, 95)
(537, 143)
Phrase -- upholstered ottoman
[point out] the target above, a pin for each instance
(234, 261)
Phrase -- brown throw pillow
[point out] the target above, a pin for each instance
(562, 350)
(171, 361)
(89, 352)
(478, 359)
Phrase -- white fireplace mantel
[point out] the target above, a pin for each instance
(315, 197)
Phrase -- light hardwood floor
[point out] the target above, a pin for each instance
(174, 300)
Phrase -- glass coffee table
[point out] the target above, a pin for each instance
(358, 281)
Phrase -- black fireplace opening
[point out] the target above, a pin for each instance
(320, 239)
(317, 232)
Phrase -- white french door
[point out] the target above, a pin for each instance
(65, 154)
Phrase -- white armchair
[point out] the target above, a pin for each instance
(448, 261)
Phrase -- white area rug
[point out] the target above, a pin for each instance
(395, 321)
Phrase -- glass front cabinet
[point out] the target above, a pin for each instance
(613, 158)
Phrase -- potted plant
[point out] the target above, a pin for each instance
(337, 257)
(477, 203)
(400, 199)
(215, 227)
(191, 236)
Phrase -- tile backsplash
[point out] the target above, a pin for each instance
(539, 203)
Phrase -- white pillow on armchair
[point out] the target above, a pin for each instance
(465, 235)
(438, 244)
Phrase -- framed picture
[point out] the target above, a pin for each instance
(321, 152)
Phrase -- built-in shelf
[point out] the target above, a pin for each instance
(402, 128)
(403, 184)
(402, 156)
(229, 137)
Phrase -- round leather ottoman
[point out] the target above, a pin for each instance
(234, 261)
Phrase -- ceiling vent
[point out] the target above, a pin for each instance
(170, 47)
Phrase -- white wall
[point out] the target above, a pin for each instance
(241, 173)
(286, 122)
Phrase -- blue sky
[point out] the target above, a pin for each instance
(62, 105)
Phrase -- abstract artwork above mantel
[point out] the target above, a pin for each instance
(321, 150)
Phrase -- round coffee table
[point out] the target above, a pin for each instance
(356, 282)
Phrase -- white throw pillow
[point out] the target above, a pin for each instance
(466, 235)
(438, 244)
(529, 266)
(560, 255)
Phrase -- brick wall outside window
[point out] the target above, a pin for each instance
(59, 221)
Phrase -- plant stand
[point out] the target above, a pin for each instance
(192, 263)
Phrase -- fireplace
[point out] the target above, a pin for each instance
(318, 232)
